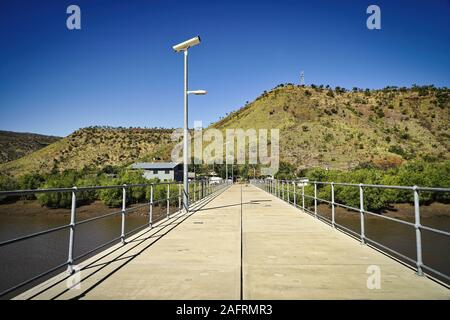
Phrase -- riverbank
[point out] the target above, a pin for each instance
(403, 211)
(32, 208)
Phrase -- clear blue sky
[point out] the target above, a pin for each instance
(120, 70)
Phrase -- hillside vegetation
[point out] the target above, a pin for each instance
(321, 127)
(94, 148)
(14, 145)
(394, 136)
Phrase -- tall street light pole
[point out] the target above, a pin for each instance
(184, 46)
(226, 159)
(185, 136)
(226, 171)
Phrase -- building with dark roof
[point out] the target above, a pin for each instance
(164, 171)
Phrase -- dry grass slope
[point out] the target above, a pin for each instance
(318, 127)
(14, 145)
(94, 148)
(341, 129)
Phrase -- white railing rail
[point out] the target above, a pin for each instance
(199, 190)
(288, 190)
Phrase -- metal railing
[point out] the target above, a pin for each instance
(283, 189)
(198, 190)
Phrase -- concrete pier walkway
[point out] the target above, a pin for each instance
(243, 243)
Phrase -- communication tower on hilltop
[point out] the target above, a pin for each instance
(302, 78)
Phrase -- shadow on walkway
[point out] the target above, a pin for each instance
(164, 228)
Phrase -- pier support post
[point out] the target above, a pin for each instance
(72, 230)
(150, 214)
(417, 226)
(361, 213)
(288, 191)
(276, 188)
(333, 211)
(194, 189)
(179, 197)
(168, 200)
(295, 195)
(315, 199)
(303, 196)
(124, 210)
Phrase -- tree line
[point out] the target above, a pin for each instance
(70, 178)
(420, 173)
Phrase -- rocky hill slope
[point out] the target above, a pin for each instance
(319, 126)
(342, 129)
(14, 145)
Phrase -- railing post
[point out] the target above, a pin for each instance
(179, 197)
(194, 189)
(315, 199)
(73, 212)
(277, 189)
(361, 211)
(150, 218)
(203, 189)
(282, 189)
(168, 200)
(295, 195)
(303, 196)
(332, 206)
(124, 208)
(287, 190)
(417, 226)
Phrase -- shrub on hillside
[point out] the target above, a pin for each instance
(397, 150)
(112, 197)
(420, 173)
(7, 183)
(67, 179)
(30, 182)
(58, 199)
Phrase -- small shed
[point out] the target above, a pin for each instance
(164, 171)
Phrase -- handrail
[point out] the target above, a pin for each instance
(201, 189)
(87, 188)
(279, 187)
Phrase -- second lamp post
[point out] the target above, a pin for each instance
(184, 46)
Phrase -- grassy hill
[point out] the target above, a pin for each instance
(318, 127)
(342, 129)
(14, 145)
(94, 148)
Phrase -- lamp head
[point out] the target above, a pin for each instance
(186, 44)
(198, 92)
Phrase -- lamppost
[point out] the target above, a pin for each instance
(226, 160)
(226, 171)
(184, 46)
